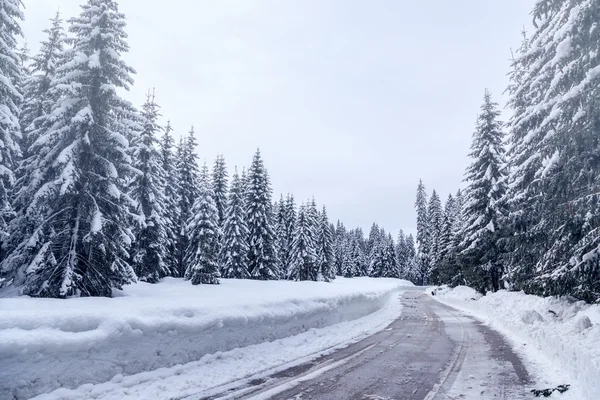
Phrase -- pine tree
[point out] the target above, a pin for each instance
(38, 101)
(446, 263)
(423, 234)
(79, 244)
(325, 259)
(202, 254)
(340, 253)
(188, 186)
(262, 258)
(147, 188)
(235, 234)
(434, 227)
(171, 193)
(304, 256)
(402, 256)
(219, 182)
(554, 144)
(391, 261)
(413, 270)
(10, 100)
(355, 264)
(483, 207)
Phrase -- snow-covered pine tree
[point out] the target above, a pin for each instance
(235, 233)
(262, 257)
(373, 240)
(220, 187)
(10, 100)
(434, 216)
(187, 184)
(340, 253)
(413, 270)
(447, 253)
(325, 258)
(423, 237)
(289, 229)
(555, 172)
(356, 263)
(80, 244)
(485, 178)
(402, 256)
(391, 260)
(203, 251)
(171, 193)
(149, 252)
(38, 101)
(304, 256)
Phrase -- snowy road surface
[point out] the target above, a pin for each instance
(431, 352)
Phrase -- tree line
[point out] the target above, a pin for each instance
(529, 216)
(96, 194)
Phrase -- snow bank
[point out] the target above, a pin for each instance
(46, 344)
(560, 338)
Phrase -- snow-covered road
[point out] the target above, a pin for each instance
(431, 352)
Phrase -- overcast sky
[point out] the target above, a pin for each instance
(350, 101)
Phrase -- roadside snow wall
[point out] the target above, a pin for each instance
(46, 344)
(565, 332)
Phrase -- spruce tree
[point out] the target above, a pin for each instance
(171, 194)
(202, 254)
(235, 234)
(447, 252)
(483, 207)
(148, 190)
(402, 256)
(325, 258)
(262, 257)
(434, 227)
(423, 234)
(81, 237)
(188, 186)
(554, 144)
(10, 100)
(340, 253)
(219, 182)
(38, 100)
(355, 264)
(304, 256)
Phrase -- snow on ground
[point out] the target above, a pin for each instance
(558, 338)
(139, 338)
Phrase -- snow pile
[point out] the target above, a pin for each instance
(46, 343)
(559, 337)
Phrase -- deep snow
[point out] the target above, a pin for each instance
(558, 338)
(46, 343)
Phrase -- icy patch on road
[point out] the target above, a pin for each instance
(47, 343)
(553, 335)
(214, 373)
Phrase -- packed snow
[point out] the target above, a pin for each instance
(557, 337)
(46, 344)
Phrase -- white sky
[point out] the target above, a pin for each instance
(350, 101)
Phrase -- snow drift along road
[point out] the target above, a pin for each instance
(559, 337)
(46, 343)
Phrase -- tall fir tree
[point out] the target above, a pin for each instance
(423, 241)
(10, 101)
(171, 193)
(235, 233)
(188, 186)
(38, 100)
(485, 178)
(434, 227)
(554, 144)
(203, 251)
(304, 255)
(325, 258)
(340, 244)
(149, 253)
(80, 240)
(220, 187)
(262, 257)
